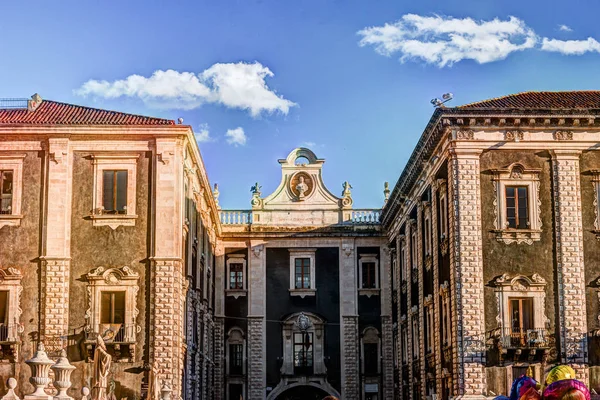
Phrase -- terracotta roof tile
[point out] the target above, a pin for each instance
(55, 113)
(541, 100)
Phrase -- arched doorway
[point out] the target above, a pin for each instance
(303, 392)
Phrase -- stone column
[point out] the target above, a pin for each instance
(387, 335)
(349, 323)
(257, 308)
(437, 348)
(167, 280)
(56, 259)
(570, 262)
(466, 264)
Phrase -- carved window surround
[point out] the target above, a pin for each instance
(302, 253)
(114, 161)
(123, 336)
(14, 163)
(596, 332)
(316, 327)
(445, 314)
(443, 215)
(235, 336)
(596, 183)
(520, 286)
(517, 175)
(370, 336)
(368, 258)
(236, 259)
(10, 281)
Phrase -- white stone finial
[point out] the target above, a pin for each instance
(62, 376)
(40, 367)
(165, 391)
(386, 191)
(10, 395)
(216, 194)
(85, 392)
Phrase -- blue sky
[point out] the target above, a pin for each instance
(291, 73)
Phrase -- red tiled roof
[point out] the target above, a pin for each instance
(55, 113)
(541, 100)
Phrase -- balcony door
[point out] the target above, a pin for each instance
(521, 312)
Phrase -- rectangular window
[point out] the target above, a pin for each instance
(114, 191)
(404, 339)
(403, 263)
(302, 273)
(371, 358)
(443, 217)
(236, 276)
(427, 236)
(413, 250)
(112, 308)
(517, 211)
(303, 350)
(236, 359)
(368, 275)
(6, 192)
(4, 307)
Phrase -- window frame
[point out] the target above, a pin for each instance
(517, 205)
(370, 335)
(236, 259)
(113, 280)
(368, 259)
(14, 163)
(316, 327)
(235, 336)
(10, 281)
(114, 162)
(115, 191)
(517, 175)
(302, 253)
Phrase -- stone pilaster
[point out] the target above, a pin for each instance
(437, 348)
(409, 332)
(570, 261)
(256, 332)
(387, 345)
(420, 283)
(166, 333)
(55, 261)
(257, 308)
(398, 286)
(467, 273)
(351, 384)
(349, 323)
(219, 344)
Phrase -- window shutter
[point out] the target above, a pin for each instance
(121, 190)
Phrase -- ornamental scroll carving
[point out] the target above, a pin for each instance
(513, 136)
(563, 135)
(465, 134)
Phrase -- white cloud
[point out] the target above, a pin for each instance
(203, 135)
(235, 85)
(571, 47)
(236, 136)
(444, 41)
(308, 144)
(564, 28)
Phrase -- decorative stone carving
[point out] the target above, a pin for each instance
(465, 134)
(85, 392)
(40, 367)
(11, 384)
(301, 185)
(513, 136)
(216, 195)
(62, 376)
(386, 192)
(10, 281)
(256, 201)
(122, 337)
(563, 135)
(517, 174)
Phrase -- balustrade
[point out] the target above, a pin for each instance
(236, 217)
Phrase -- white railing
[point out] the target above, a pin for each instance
(236, 217)
(365, 216)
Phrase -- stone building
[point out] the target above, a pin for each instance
(108, 227)
(303, 293)
(494, 228)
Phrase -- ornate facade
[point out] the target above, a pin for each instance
(303, 293)
(493, 231)
(107, 227)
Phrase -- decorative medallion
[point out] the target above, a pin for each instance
(465, 134)
(513, 136)
(301, 185)
(303, 322)
(563, 135)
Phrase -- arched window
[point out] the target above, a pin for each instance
(370, 351)
(235, 360)
(303, 346)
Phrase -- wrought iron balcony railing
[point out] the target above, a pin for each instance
(9, 333)
(523, 338)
